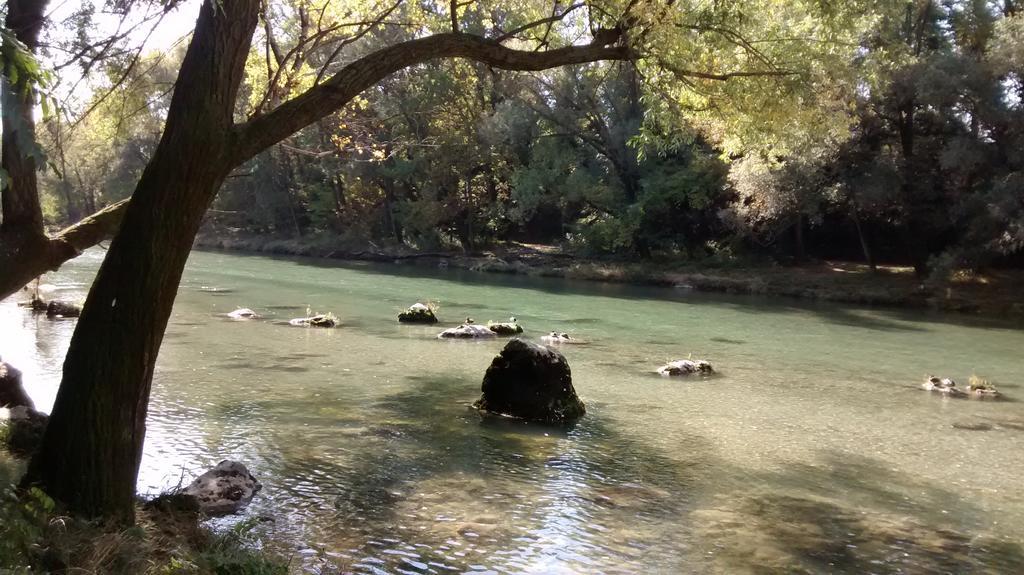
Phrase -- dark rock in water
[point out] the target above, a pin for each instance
(12, 394)
(507, 328)
(225, 489)
(418, 313)
(25, 430)
(57, 308)
(530, 382)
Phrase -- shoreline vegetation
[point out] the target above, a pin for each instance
(170, 537)
(998, 293)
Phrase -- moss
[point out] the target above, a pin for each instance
(417, 316)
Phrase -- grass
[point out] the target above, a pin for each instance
(36, 537)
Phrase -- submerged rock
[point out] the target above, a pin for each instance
(12, 393)
(505, 328)
(944, 386)
(318, 320)
(466, 331)
(243, 313)
(530, 382)
(417, 313)
(682, 367)
(225, 489)
(25, 428)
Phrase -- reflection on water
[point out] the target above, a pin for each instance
(813, 451)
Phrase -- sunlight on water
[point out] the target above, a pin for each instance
(813, 451)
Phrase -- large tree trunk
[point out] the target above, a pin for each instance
(90, 454)
(93, 444)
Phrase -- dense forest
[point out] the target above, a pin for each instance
(904, 147)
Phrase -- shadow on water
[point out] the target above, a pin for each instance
(883, 318)
(851, 514)
(429, 475)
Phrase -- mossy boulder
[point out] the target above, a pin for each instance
(418, 313)
(505, 328)
(530, 382)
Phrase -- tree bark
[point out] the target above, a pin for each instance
(90, 454)
(20, 201)
(91, 451)
(24, 258)
(25, 250)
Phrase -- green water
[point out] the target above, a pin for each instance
(813, 451)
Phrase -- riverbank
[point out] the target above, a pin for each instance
(998, 293)
(36, 537)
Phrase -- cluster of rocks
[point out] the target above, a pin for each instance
(54, 309)
(315, 320)
(976, 387)
(470, 330)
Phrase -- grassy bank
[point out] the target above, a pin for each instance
(169, 538)
(996, 293)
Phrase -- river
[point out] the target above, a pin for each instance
(814, 450)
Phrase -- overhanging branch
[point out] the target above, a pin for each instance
(262, 132)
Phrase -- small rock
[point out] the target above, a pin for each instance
(319, 320)
(243, 313)
(555, 338)
(683, 367)
(225, 489)
(466, 331)
(505, 328)
(981, 388)
(530, 382)
(944, 386)
(418, 313)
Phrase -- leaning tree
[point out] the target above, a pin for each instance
(92, 448)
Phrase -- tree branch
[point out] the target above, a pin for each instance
(262, 132)
(549, 20)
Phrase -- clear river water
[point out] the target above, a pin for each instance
(813, 451)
